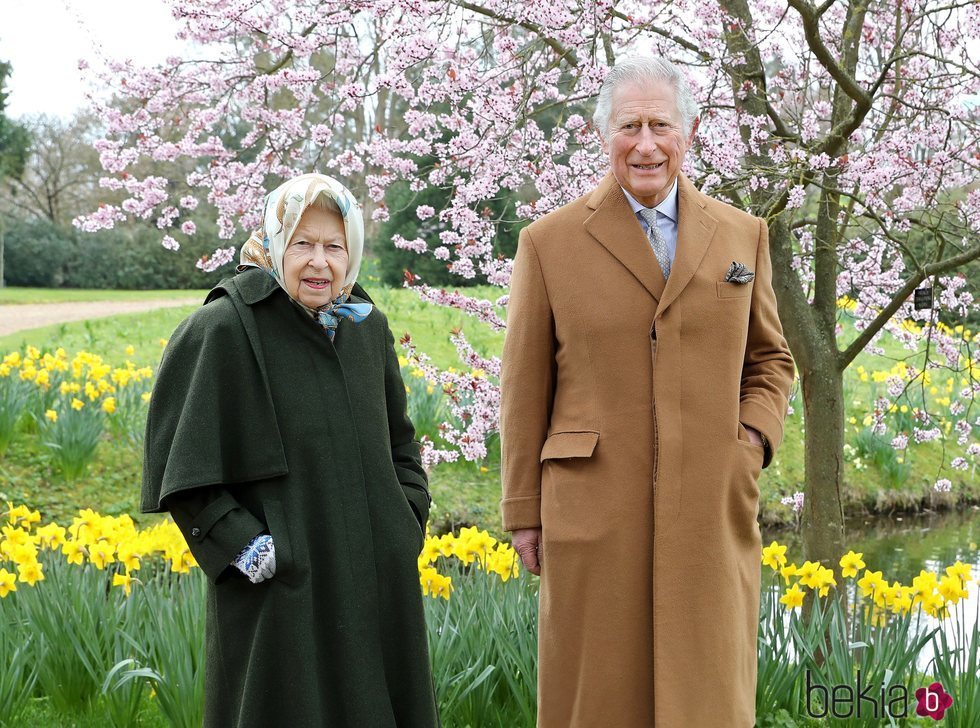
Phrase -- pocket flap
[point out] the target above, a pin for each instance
(569, 445)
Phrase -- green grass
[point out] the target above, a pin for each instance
(39, 712)
(10, 295)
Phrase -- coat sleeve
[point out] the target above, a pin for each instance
(767, 370)
(527, 382)
(215, 525)
(405, 453)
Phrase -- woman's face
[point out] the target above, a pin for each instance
(314, 264)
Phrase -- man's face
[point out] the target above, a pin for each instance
(646, 143)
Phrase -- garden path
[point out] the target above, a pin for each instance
(18, 317)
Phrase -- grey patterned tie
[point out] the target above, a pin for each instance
(656, 239)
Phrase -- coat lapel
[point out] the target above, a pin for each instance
(615, 226)
(695, 228)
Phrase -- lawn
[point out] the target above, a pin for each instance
(15, 295)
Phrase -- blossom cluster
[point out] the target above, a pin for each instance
(474, 397)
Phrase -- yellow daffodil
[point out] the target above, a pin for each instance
(109, 405)
(50, 415)
(951, 589)
(25, 553)
(924, 585)
(100, 554)
(74, 552)
(128, 555)
(86, 526)
(825, 579)
(30, 573)
(15, 536)
(51, 536)
(130, 350)
(16, 513)
(871, 583)
(123, 580)
(793, 598)
(961, 570)
(850, 563)
(435, 584)
(809, 574)
(7, 583)
(774, 556)
(77, 404)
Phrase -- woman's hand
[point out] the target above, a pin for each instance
(527, 542)
(257, 560)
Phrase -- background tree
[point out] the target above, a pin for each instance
(60, 173)
(14, 142)
(848, 126)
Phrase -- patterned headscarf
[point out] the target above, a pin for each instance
(283, 208)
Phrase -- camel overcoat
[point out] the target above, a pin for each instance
(622, 400)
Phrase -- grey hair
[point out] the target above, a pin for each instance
(642, 70)
(325, 201)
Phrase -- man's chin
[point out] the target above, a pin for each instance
(651, 192)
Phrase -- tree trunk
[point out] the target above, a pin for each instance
(823, 515)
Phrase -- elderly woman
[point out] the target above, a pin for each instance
(278, 440)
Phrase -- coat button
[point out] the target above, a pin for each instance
(195, 532)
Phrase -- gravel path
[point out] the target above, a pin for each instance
(14, 318)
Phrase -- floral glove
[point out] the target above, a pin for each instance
(258, 559)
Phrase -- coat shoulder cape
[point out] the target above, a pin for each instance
(213, 364)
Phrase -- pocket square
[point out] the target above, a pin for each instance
(738, 273)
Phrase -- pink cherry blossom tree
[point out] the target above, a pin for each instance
(850, 126)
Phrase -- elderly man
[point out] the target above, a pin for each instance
(645, 381)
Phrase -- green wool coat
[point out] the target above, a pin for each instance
(259, 423)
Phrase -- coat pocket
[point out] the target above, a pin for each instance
(578, 444)
(727, 289)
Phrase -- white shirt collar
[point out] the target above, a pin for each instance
(668, 207)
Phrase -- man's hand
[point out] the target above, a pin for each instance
(525, 542)
(755, 437)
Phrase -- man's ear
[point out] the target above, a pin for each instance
(694, 130)
(602, 142)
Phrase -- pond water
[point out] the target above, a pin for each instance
(901, 546)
